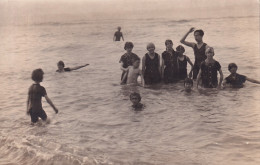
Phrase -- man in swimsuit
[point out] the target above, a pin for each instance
(118, 35)
(198, 48)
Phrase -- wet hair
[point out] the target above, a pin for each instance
(61, 63)
(150, 44)
(37, 75)
(211, 49)
(168, 41)
(135, 94)
(180, 48)
(232, 65)
(188, 81)
(201, 32)
(128, 45)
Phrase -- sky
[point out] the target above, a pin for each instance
(15, 11)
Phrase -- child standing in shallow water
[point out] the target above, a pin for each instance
(169, 63)
(126, 60)
(209, 71)
(151, 66)
(182, 63)
(35, 94)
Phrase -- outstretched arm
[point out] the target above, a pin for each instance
(198, 78)
(78, 67)
(51, 104)
(190, 44)
(252, 80)
(191, 64)
(221, 78)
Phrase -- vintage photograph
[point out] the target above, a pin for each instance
(129, 82)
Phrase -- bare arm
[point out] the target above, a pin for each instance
(143, 65)
(122, 37)
(125, 75)
(190, 44)
(191, 64)
(221, 78)
(198, 78)
(28, 105)
(142, 78)
(252, 80)
(78, 67)
(122, 68)
(162, 68)
(159, 67)
(51, 104)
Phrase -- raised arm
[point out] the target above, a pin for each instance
(51, 104)
(191, 64)
(221, 78)
(252, 80)
(78, 67)
(190, 44)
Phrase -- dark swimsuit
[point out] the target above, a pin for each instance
(209, 74)
(151, 72)
(236, 81)
(183, 68)
(127, 60)
(200, 56)
(171, 67)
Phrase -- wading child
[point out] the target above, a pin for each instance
(35, 94)
(133, 72)
(135, 98)
(126, 60)
(61, 68)
(209, 71)
(236, 80)
(151, 66)
(169, 63)
(182, 63)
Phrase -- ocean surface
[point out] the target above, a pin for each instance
(95, 123)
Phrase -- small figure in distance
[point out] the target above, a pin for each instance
(135, 98)
(188, 84)
(61, 68)
(132, 73)
(118, 34)
(35, 94)
(236, 80)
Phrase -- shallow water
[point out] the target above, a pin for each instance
(96, 125)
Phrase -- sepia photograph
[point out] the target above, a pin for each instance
(129, 82)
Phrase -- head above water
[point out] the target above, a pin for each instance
(136, 62)
(150, 46)
(129, 45)
(135, 97)
(232, 67)
(37, 75)
(198, 35)
(118, 28)
(168, 42)
(180, 48)
(209, 50)
(188, 81)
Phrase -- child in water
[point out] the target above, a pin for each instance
(151, 66)
(133, 72)
(188, 84)
(126, 59)
(135, 98)
(61, 68)
(236, 80)
(35, 94)
(182, 63)
(209, 71)
(169, 63)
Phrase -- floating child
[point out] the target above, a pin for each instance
(208, 72)
(132, 73)
(61, 68)
(236, 80)
(182, 63)
(151, 66)
(35, 94)
(126, 59)
(169, 63)
(135, 98)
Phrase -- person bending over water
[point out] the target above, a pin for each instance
(135, 98)
(151, 66)
(208, 71)
(133, 72)
(35, 94)
(61, 68)
(236, 80)
(118, 35)
(198, 48)
(126, 59)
